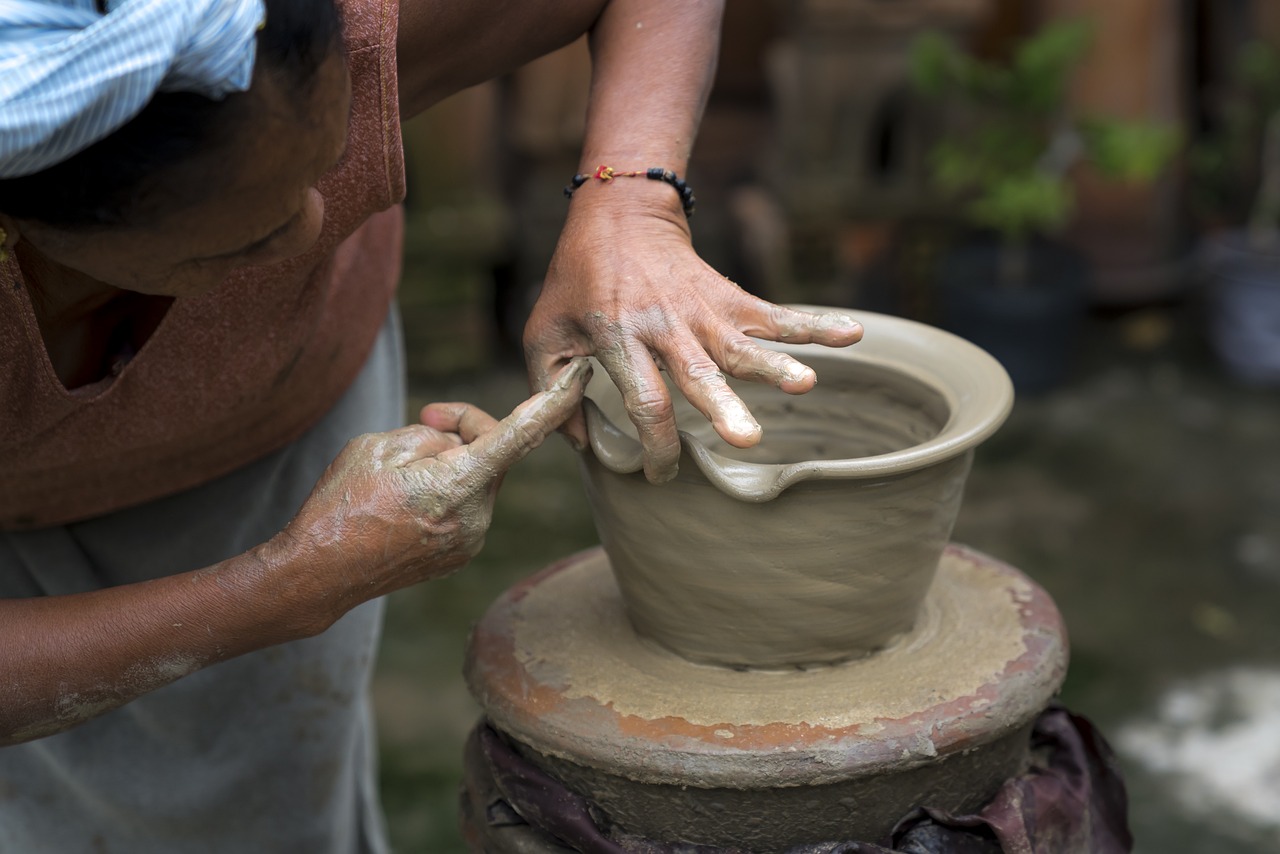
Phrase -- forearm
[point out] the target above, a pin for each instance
(652, 66)
(444, 46)
(653, 62)
(393, 509)
(66, 659)
(649, 83)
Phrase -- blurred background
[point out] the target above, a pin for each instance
(1088, 188)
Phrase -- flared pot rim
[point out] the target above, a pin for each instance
(974, 386)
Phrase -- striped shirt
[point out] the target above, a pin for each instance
(70, 76)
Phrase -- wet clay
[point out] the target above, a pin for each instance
(764, 759)
(825, 572)
(817, 545)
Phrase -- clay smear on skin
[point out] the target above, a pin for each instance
(610, 351)
(74, 707)
(613, 667)
(825, 322)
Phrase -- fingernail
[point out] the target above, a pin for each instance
(574, 442)
(835, 320)
(578, 369)
(742, 424)
(799, 374)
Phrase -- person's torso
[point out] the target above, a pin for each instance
(223, 378)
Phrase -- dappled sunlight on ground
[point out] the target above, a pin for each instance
(1216, 742)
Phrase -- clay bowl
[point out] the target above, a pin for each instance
(819, 544)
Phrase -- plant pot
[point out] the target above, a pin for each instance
(1244, 306)
(819, 544)
(1032, 328)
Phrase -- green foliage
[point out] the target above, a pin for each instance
(1227, 164)
(1039, 74)
(1258, 68)
(1009, 169)
(1018, 205)
(1135, 152)
(1012, 202)
(1033, 82)
(934, 61)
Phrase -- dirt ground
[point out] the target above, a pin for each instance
(1144, 496)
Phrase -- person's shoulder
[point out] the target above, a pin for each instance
(370, 176)
(369, 24)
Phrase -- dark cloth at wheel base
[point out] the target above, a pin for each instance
(1071, 800)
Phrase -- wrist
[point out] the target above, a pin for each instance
(285, 571)
(608, 174)
(624, 198)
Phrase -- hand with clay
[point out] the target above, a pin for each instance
(656, 305)
(393, 509)
(414, 504)
(625, 284)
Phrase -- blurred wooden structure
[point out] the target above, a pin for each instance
(850, 142)
(1135, 69)
(812, 153)
(456, 223)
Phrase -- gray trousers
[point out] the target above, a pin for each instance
(269, 752)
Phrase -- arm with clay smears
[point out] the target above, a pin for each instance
(393, 509)
(66, 659)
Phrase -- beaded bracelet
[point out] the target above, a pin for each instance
(606, 174)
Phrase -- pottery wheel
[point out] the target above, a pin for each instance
(557, 666)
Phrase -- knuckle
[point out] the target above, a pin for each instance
(409, 437)
(363, 442)
(739, 353)
(431, 509)
(782, 315)
(527, 435)
(650, 406)
(778, 364)
(753, 362)
(704, 372)
(789, 323)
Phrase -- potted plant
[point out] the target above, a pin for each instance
(1012, 289)
(1237, 180)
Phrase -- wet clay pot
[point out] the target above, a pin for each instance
(819, 544)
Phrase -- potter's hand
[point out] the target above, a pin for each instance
(412, 504)
(628, 288)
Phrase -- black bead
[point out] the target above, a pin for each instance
(653, 173)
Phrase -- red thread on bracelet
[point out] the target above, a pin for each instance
(606, 174)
